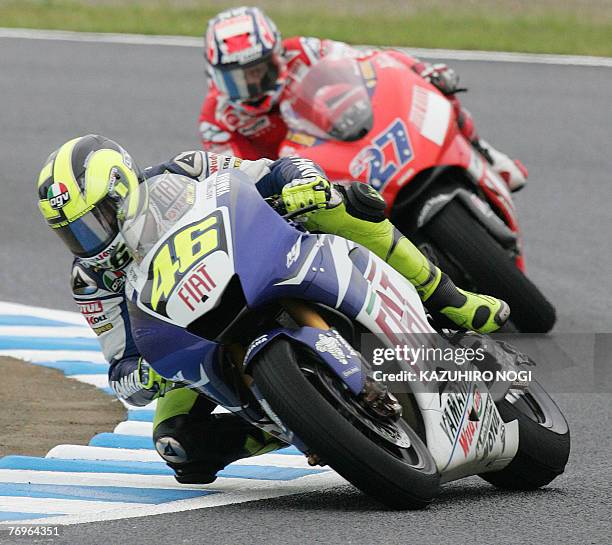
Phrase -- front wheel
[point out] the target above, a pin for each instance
(544, 440)
(383, 458)
(491, 269)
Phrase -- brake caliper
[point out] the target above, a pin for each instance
(377, 399)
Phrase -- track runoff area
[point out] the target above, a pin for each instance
(119, 474)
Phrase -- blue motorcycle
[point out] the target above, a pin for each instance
(231, 299)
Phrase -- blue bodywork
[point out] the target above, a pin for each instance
(262, 244)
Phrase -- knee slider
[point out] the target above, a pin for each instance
(171, 439)
(364, 202)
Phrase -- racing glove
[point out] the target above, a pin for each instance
(314, 193)
(152, 381)
(440, 75)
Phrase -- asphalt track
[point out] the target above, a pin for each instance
(557, 119)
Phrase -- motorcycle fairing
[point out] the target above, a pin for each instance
(328, 345)
(319, 268)
(433, 139)
(421, 122)
(477, 207)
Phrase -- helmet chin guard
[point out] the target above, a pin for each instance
(114, 257)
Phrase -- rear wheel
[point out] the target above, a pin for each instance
(385, 459)
(544, 440)
(491, 269)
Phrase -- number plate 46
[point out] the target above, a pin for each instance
(180, 253)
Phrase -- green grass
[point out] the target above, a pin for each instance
(443, 26)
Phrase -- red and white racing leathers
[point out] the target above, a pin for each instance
(226, 128)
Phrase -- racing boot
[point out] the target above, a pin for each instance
(197, 444)
(356, 212)
(513, 172)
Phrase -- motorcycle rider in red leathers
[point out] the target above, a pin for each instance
(249, 65)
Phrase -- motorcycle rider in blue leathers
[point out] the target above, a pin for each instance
(80, 189)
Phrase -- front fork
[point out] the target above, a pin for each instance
(374, 397)
(301, 313)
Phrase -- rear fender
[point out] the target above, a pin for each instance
(328, 345)
(479, 209)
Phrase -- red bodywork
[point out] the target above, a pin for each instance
(414, 129)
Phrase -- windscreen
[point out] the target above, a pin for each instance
(329, 101)
(149, 213)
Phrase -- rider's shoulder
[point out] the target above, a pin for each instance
(305, 48)
(85, 280)
(187, 163)
(89, 283)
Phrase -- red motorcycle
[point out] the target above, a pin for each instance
(376, 121)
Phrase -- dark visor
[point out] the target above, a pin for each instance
(93, 232)
(250, 81)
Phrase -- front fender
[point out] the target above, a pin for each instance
(328, 345)
(479, 209)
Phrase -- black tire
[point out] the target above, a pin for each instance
(544, 440)
(490, 267)
(304, 406)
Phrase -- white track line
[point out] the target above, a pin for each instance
(130, 480)
(55, 355)
(39, 312)
(51, 505)
(265, 490)
(186, 41)
(134, 480)
(100, 381)
(102, 37)
(46, 331)
(506, 56)
(99, 479)
(80, 452)
(134, 428)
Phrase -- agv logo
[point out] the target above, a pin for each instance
(58, 195)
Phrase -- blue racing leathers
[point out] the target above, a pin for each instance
(99, 293)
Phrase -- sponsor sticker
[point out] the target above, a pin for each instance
(191, 162)
(96, 319)
(196, 288)
(294, 253)
(82, 284)
(255, 127)
(222, 185)
(91, 307)
(452, 415)
(58, 195)
(112, 179)
(93, 311)
(114, 280)
(466, 438)
(256, 342)
(492, 430)
(178, 255)
(301, 138)
(102, 329)
(333, 346)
